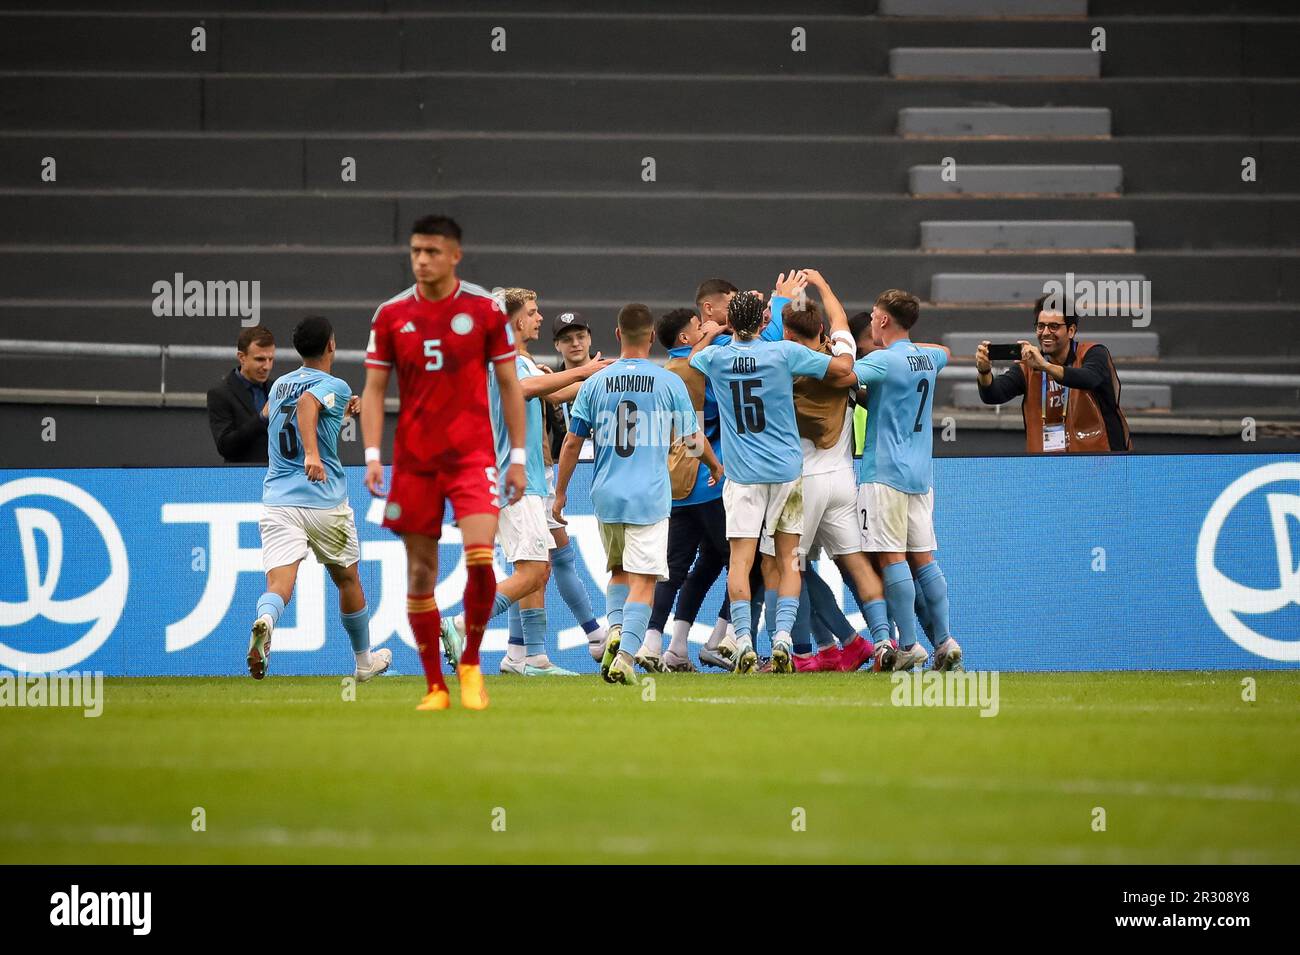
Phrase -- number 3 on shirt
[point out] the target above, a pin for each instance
(433, 351)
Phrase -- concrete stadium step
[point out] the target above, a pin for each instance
(135, 374)
(593, 162)
(108, 320)
(991, 121)
(1191, 335)
(1181, 8)
(613, 43)
(1190, 8)
(138, 160)
(204, 219)
(630, 273)
(1188, 332)
(1129, 345)
(1016, 180)
(1005, 287)
(965, 394)
(1024, 235)
(700, 219)
(638, 103)
(983, 8)
(1000, 62)
(421, 7)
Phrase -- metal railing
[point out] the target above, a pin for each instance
(162, 353)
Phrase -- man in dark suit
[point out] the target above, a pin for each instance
(235, 403)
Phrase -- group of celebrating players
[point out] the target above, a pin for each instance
(737, 453)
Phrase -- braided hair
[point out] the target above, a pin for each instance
(745, 314)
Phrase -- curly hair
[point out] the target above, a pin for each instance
(517, 298)
(745, 315)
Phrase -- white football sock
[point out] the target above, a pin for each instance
(538, 660)
(719, 631)
(363, 660)
(681, 631)
(653, 642)
(515, 652)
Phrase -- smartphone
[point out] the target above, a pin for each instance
(1004, 352)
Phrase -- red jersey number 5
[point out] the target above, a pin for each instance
(433, 352)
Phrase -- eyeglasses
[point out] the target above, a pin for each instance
(1050, 326)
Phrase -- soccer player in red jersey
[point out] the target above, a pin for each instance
(441, 335)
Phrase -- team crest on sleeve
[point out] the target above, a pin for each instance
(462, 324)
(328, 400)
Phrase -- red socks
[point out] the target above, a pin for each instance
(480, 592)
(426, 624)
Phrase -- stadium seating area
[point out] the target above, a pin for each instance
(625, 154)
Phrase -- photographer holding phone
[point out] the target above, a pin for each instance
(1071, 388)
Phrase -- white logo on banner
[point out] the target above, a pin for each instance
(1224, 597)
(103, 605)
(227, 560)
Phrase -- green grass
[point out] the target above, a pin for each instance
(710, 771)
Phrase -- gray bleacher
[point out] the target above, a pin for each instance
(225, 164)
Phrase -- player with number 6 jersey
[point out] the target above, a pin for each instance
(441, 335)
(633, 411)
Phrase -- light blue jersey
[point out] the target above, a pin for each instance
(631, 410)
(286, 482)
(754, 383)
(900, 397)
(535, 467)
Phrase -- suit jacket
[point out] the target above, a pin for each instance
(237, 428)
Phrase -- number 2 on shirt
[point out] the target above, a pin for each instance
(922, 386)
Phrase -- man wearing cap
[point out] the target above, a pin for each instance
(572, 337)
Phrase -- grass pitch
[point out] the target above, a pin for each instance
(714, 769)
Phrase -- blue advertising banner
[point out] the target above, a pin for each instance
(1071, 563)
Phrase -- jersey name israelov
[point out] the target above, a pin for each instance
(535, 468)
(631, 410)
(441, 351)
(900, 397)
(286, 482)
(754, 384)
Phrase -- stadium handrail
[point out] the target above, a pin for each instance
(17, 346)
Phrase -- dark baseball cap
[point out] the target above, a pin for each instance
(566, 321)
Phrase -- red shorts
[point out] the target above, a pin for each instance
(416, 501)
